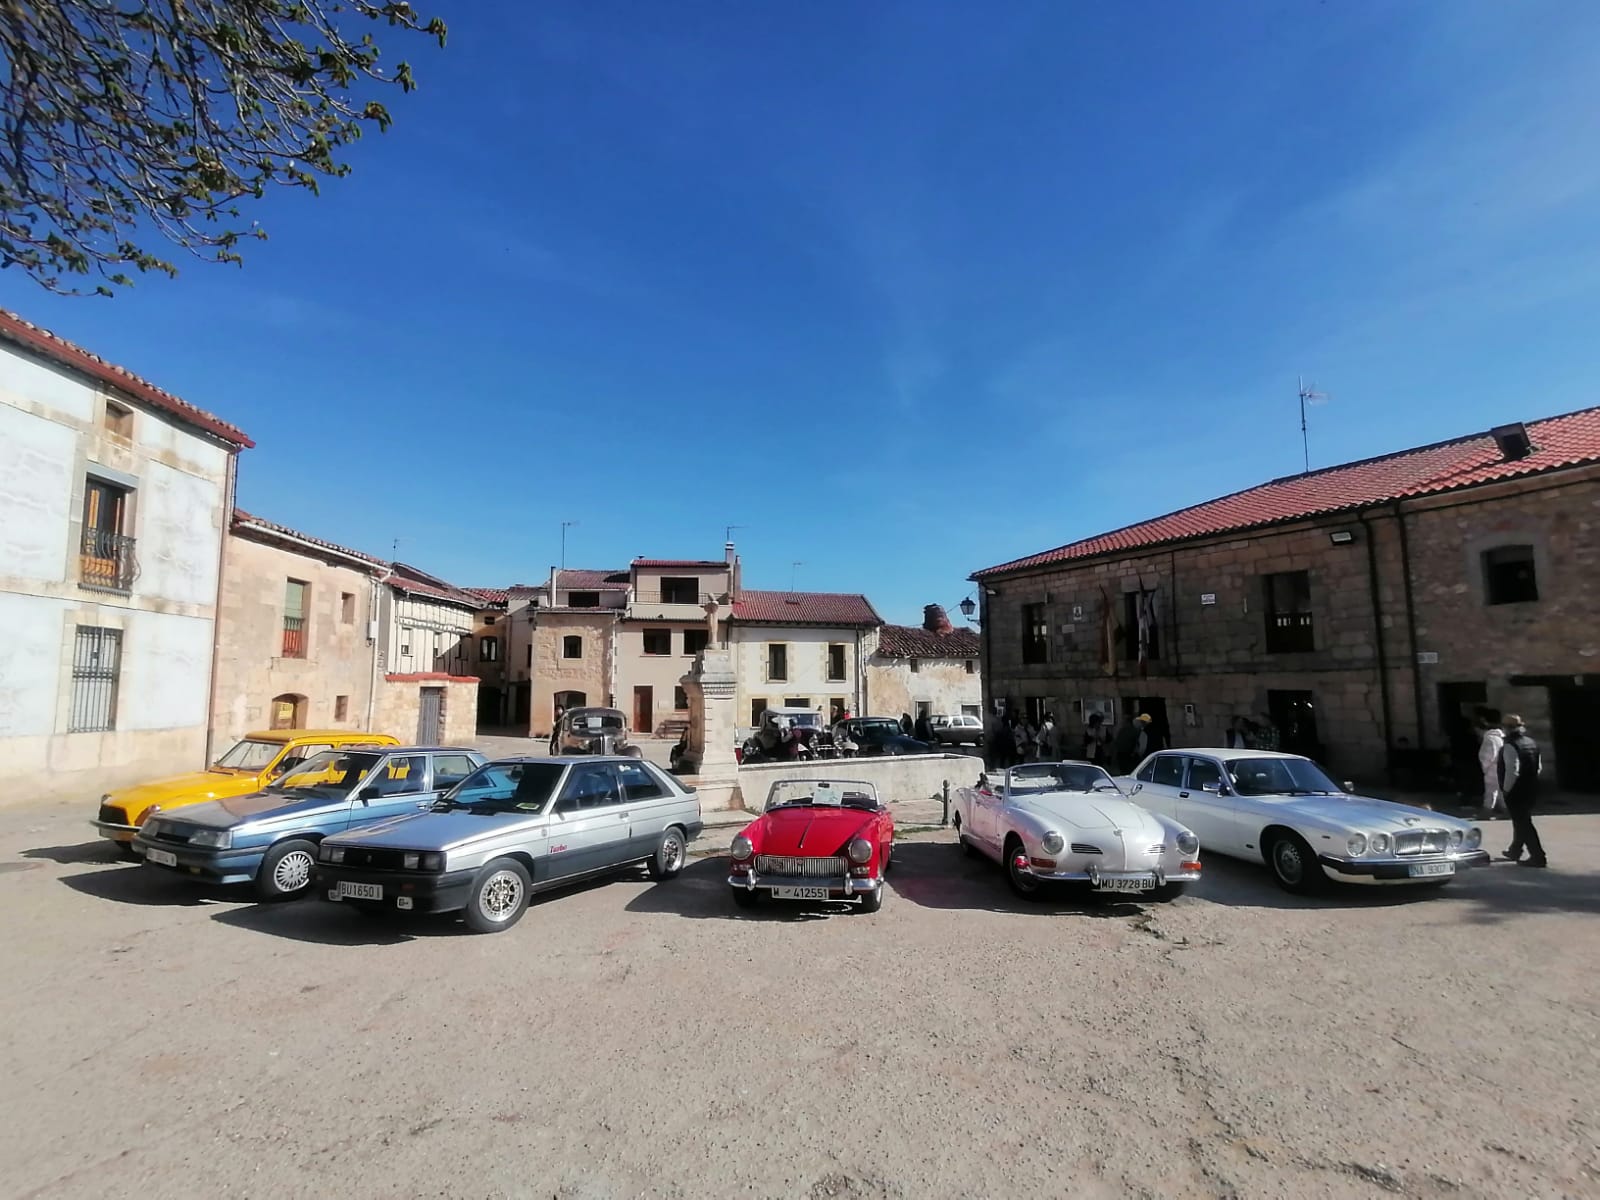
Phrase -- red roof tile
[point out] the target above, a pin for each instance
(410, 579)
(1565, 441)
(913, 641)
(244, 519)
(684, 563)
(804, 608)
(574, 579)
(494, 596)
(58, 349)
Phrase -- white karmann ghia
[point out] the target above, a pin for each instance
(1069, 822)
(1284, 810)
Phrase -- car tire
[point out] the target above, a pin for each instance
(745, 898)
(286, 870)
(888, 856)
(1293, 864)
(670, 855)
(871, 902)
(498, 896)
(1022, 882)
(1168, 892)
(967, 848)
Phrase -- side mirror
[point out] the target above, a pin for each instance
(1349, 786)
(368, 793)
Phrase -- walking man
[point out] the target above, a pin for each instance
(1490, 742)
(1049, 751)
(1520, 765)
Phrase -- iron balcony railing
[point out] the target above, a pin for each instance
(1290, 633)
(294, 637)
(107, 562)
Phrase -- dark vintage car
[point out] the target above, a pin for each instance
(877, 735)
(593, 731)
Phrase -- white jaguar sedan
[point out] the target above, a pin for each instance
(1282, 809)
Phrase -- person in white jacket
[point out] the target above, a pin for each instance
(1491, 742)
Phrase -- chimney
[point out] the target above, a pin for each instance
(1513, 441)
(727, 553)
(934, 620)
(554, 571)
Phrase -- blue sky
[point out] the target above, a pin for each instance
(905, 289)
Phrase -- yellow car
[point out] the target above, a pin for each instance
(248, 767)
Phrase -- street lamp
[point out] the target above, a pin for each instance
(967, 607)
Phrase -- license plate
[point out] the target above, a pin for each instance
(162, 858)
(361, 891)
(800, 893)
(1417, 869)
(1141, 884)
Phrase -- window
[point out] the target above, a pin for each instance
(837, 708)
(797, 701)
(1169, 770)
(695, 640)
(118, 420)
(972, 667)
(1035, 634)
(400, 776)
(1203, 771)
(341, 708)
(289, 712)
(658, 641)
(680, 591)
(461, 650)
(836, 661)
(1288, 609)
(639, 782)
(294, 619)
(916, 666)
(405, 649)
(571, 647)
(758, 705)
(1132, 603)
(450, 769)
(1508, 575)
(106, 558)
(489, 618)
(347, 607)
(530, 651)
(489, 649)
(583, 599)
(96, 670)
(778, 663)
(590, 786)
(680, 700)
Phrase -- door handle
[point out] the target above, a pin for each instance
(1183, 795)
(622, 816)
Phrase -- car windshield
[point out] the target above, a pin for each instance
(596, 722)
(881, 728)
(1037, 778)
(1280, 777)
(330, 771)
(822, 793)
(810, 720)
(249, 756)
(505, 787)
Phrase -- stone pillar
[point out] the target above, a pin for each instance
(709, 755)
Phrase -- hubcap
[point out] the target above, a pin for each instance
(1019, 872)
(293, 871)
(1289, 865)
(501, 894)
(672, 854)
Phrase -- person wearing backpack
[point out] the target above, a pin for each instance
(1520, 765)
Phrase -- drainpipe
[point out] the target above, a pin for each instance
(230, 483)
(1411, 625)
(374, 642)
(1377, 628)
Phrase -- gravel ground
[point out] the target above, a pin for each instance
(637, 1040)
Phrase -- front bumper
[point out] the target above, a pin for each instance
(1094, 877)
(116, 832)
(406, 891)
(846, 888)
(1398, 870)
(211, 866)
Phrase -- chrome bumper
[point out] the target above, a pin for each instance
(1398, 867)
(120, 833)
(1094, 876)
(850, 885)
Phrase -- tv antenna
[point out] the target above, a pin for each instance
(394, 548)
(1309, 397)
(794, 570)
(565, 525)
(727, 533)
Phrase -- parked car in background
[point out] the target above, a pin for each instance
(513, 828)
(878, 735)
(593, 731)
(957, 730)
(270, 838)
(816, 839)
(1284, 810)
(786, 734)
(248, 767)
(1068, 822)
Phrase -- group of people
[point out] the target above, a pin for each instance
(1245, 734)
(1014, 739)
(1511, 765)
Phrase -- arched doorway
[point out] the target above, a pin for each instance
(288, 711)
(565, 700)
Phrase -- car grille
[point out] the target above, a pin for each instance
(112, 815)
(810, 868)
(1422, 841)
(1085, 848)
(383, 860)
(178, 835)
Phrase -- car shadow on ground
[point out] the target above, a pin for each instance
(100, 850)
(701, 892)
(318, 922)
(939, 874)
(135, 883)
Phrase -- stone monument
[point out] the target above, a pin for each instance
(709, 758)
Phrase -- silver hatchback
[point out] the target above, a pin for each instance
(512, 828)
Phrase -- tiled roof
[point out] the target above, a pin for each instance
(248, 520)
(913, 641)
(495, 596)
(573, 579)
(409, 579)
(1565, 441)
(684, 563)
(58, 349)
(804, 608)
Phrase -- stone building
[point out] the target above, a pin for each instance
(488, 646)
(1367, 609)
(929, 669)
(801, 650)
(114, 499)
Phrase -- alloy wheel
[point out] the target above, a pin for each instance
(293, 872)
(501, 895)
(672, 854)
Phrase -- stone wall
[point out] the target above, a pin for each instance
(897, 777)
(593, 674)
(398, 707)
(945, 685)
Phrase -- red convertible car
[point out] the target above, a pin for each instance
(816, 839)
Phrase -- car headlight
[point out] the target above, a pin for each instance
(216, 839)
(859, 851)
(433, 861)
(1188, 844)
(742, 847)
(1357, 845)
(1379, 843)
(1052, 842)
(1474, 838)
(331, 854)
(411, 860)
(1457, 837)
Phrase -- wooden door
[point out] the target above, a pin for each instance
(644, 718)
(428, 720)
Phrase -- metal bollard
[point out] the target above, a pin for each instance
(945, 820)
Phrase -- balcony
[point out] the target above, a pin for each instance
(669, 606)
(1290, 633)
(107, 563)
(294, 637)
